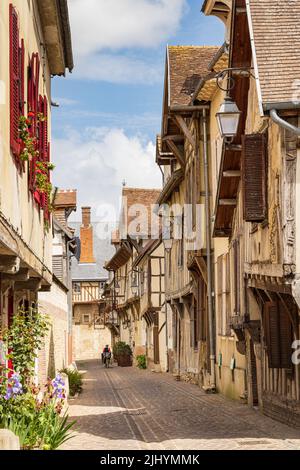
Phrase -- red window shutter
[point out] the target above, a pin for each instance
(33, 95)
(33, 90)
(22, 77)
(43, 129)
(14, 54)
(254, 176)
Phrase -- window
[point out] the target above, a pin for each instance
(86, 319)
(77, 288)
(16, 60)
(278, 333)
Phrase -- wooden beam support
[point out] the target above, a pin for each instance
(33, 284)
(174, 138)
(45, 288)
(9, 264)
(182, 124)
(177, 153)
(231, 174)
(233, 148)
(21, 275)
(227, 202)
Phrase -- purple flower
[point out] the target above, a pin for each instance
(14, 387)
(58, 387)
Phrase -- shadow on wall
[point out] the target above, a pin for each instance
(51, 362)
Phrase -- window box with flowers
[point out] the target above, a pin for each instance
(40, 167)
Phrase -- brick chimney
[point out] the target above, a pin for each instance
(86, 237)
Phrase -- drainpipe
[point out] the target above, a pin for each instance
(282, 123)
(208, 254)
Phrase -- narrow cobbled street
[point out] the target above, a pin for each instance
(129, 409)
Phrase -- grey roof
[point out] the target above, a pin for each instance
(103, 251)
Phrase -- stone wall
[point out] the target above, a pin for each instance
(54, 356)
(88, 339)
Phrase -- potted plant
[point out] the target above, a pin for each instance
(123, 354)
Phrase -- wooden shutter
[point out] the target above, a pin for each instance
(21, 77)
(285, 338)
(57, 266)
(279, 335)
(33, 88)
(254, 173)
(14, 61)
(272, 334)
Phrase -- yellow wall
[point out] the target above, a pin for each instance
(16, 201)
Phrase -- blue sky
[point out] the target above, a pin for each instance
(110, 107)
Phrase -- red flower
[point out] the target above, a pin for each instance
(31, 114)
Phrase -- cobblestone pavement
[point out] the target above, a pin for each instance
(129, 409)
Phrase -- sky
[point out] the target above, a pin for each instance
(105, 128)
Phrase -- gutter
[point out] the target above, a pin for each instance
(284, 124)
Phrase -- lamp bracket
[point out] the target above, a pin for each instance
(239, 71)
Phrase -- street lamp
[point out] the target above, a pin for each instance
(228, 118)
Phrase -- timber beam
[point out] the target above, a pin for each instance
(183, 126)
(231, 174)
(33, 284)
(227, 202)
(21, 275)
(176, 152)
(9, 264)
(174, 138)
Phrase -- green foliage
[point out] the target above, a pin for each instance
(36, 419)
(24, 339)
(142, 361)
(41, 428)
(75, 381)
(29, 151)
(32, 414)
(122, 349)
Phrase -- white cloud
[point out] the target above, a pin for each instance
(100, 28)
(96, 161)
(65, 101)
(119, 24)
(117, 69)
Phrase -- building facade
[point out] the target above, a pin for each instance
(136, 299)
(89, 278)
(37, 36)
(57, 304)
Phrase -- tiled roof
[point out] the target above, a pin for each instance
(187, 66)
(276, 30)
(103, 251)
(66, 198)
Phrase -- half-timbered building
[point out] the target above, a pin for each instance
(256, 195)
(183, 152)
(133, 288)
(90, 333)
